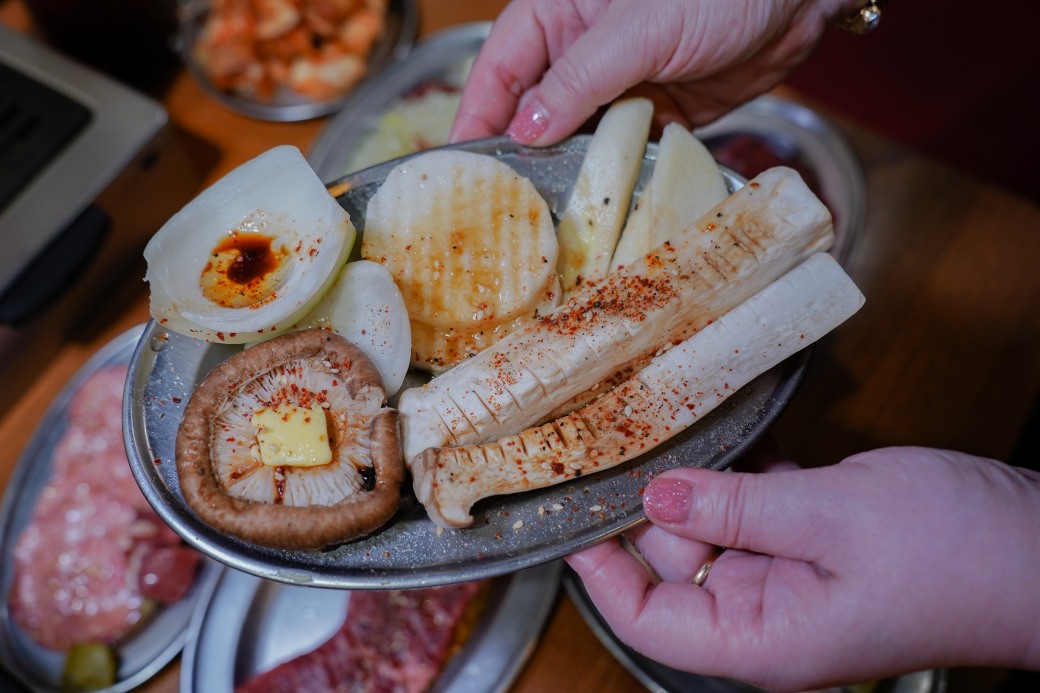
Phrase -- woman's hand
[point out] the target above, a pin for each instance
(549, 64)
(895, 560)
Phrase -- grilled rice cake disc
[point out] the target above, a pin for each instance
(436, 349)
(470, 243)
(229, 487)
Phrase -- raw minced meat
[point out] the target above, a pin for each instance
(395, 641)
(94, 554)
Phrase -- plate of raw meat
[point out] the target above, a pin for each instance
(95, 589)
(255, 635)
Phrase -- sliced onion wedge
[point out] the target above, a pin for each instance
(366, 307)
(251, 254)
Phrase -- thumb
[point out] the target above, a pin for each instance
(568, 95)
(598, 67)
(775, 514)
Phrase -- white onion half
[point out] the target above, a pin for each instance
(277, 194)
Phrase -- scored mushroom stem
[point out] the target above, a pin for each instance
(757, 234)
(674, 390)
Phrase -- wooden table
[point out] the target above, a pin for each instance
(946, 351)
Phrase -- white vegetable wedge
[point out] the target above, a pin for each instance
(597, 206)
(686, 183)
(749, 240)
(251, 254)
(673, 391)
(366, 307)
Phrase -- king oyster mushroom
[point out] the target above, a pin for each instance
(287, 444)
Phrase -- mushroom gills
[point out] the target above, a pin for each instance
(307, 374)
(236, 448)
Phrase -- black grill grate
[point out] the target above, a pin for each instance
(36, 123)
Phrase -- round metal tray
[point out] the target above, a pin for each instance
(246, 626)
(439, 59)
(510, 532)
(796, 133)
(402, 25)
(142, 654)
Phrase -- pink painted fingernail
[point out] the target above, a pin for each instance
(529, 124)
(667, 499)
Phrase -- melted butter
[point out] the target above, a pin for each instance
(294, 436)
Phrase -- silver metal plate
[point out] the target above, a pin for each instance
(402, 25)
(440, 59)
(510, 532)
(798, 134)
(142, 654)
(246, 626)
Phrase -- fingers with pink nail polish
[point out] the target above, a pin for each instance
(667, 500)
(529, 124)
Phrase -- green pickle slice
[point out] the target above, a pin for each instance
(89, 666)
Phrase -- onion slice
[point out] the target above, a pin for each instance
(251, 254)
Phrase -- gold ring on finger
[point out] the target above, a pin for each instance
(702, 573)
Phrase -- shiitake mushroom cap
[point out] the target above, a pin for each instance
(273, 524)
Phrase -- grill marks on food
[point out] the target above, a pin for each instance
(679, 386)
(606, 329)
(472, 246)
